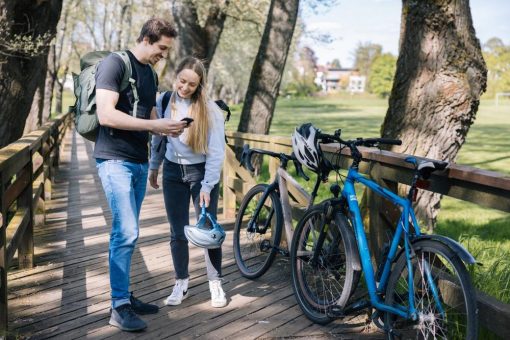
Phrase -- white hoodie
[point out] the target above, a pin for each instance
(177, 151)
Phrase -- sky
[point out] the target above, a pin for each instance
(378, 21)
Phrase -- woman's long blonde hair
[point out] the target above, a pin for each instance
(197, 132)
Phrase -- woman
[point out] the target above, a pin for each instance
(191, 168)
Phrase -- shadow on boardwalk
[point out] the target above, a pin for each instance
(66, 295)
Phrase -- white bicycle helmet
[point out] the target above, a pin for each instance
(201, 235)
(305, 146)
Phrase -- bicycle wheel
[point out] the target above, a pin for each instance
(256, 237)
(456, 295)
(330, 279)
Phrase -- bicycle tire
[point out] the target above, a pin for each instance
(331, 280)
(254, 251)
(448, 271)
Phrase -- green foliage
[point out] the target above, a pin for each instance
(497, 58)
(486, 235)
(381, 75)
(364, 56)
(301, 71)
(230, 70)
(300, 89)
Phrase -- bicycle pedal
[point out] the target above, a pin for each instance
(393, 334)
(377, 320)
(336, 312)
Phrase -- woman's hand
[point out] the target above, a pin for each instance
(205, 198)
(153, 178)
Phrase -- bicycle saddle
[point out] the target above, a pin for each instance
(426, 167)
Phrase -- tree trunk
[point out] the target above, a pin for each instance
(34, 117)
(51, 76)
(21, 72)
(59, 91)
(439, 79)
(122, 31)
(267, 70)
(195, 40)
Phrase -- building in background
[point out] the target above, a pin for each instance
(331, 79)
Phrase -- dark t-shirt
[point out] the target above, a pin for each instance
(122, 144)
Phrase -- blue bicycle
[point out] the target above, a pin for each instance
(421, 290)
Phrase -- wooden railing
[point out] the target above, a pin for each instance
(27, 168)
(485, 188)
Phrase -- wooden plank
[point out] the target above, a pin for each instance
(236, 168)
(37, 189)
(494, 314)
(15, 230)
(238, 185)
(14, 190)
(68, 325)
(13, 158)
(97, 298)
(37, 165)
(35, 139)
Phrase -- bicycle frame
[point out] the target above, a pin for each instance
(280, 183)
(283, 177)
(375, 291)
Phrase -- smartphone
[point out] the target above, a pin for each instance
(187, 120)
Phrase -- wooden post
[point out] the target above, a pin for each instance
(26, 245)
(380, 217)
(55, 147)
(274, 164)
(229, 197)
(47, 168)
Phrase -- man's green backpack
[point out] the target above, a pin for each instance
(84, 109)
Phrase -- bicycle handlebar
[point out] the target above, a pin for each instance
(354, 143)
(369, 142)
(247, 154)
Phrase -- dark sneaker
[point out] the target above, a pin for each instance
(142, 308)
(125, 318)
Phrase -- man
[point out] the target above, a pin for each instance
(121, 153)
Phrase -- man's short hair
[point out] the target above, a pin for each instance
(155, 28)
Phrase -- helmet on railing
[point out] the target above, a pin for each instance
(204, 236)
(306, 147)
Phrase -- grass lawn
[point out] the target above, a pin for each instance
(485, 232)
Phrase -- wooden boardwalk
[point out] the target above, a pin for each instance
(66, 295)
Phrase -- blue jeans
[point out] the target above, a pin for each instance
(124, 185)
(180, 183)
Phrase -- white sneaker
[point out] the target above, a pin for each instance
(179, 293)
(218, 298)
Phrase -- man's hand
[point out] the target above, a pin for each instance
(205, 198)
(168, 127)
(153, 178)
(109, 116)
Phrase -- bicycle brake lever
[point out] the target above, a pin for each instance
(246, 158)
(299, 168)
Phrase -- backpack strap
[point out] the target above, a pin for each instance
(164, 104)
(128, 80)
(165, 101)
(222, 105)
